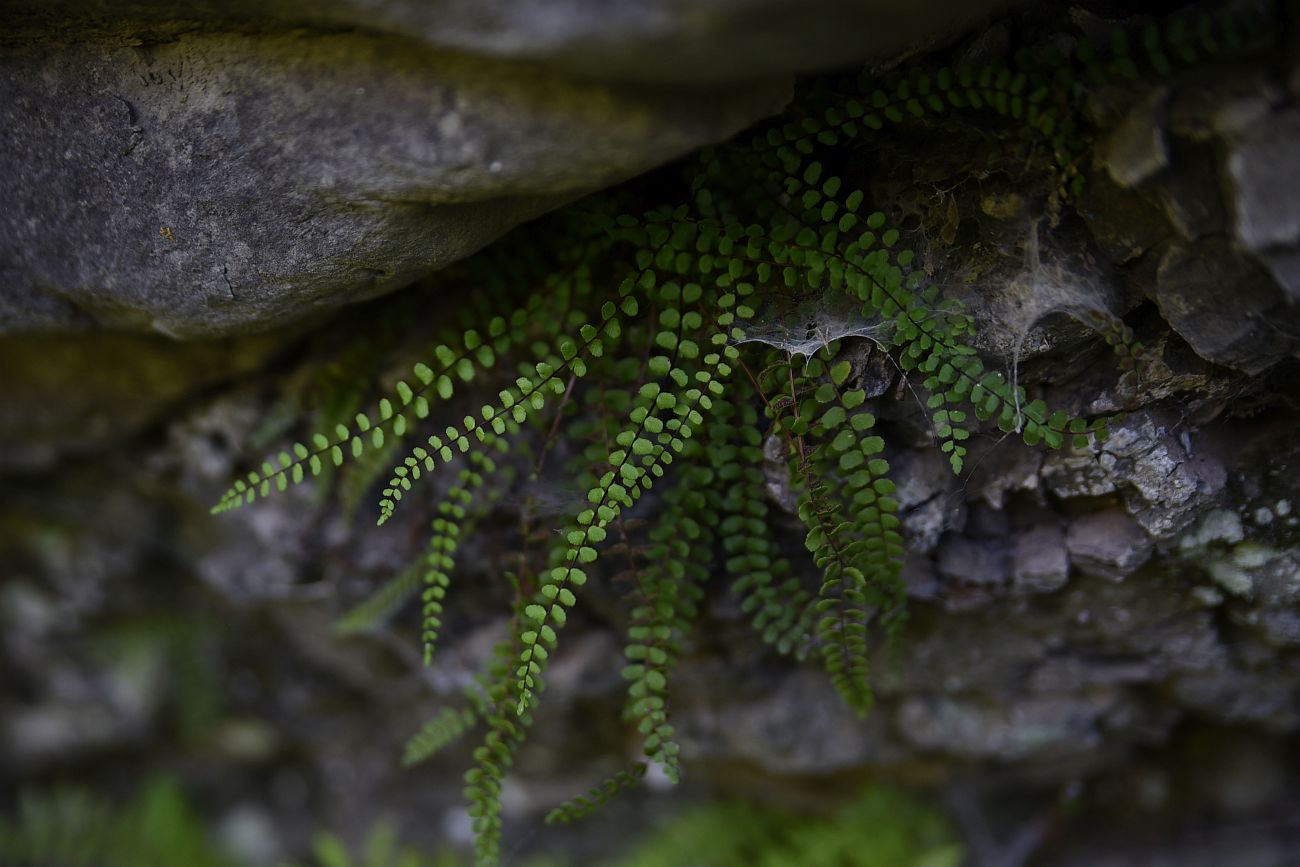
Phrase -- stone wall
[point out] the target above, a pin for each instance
(1103, 656)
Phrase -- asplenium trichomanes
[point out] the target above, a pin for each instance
(646, 347)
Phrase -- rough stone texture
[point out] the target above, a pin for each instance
(1225, 104)
(1286, 271)
(1039, 726)
(1159, 474)
(223, 183)
(227, 168)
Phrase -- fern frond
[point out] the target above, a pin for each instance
(72, 828)
(448, 530)
(517, 403)
(393, 417)
(437, 734)
(780, 607)
(377, 607)
(668, 584)
(506, 728)
(648, 445)
(584, 805)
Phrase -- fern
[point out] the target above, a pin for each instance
(781, 609)
(668, 584)
(583, 805)
(381, 849)
(438, 733)
(71, 828)
(879, 827)
(649, 346)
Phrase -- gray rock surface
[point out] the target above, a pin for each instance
(1108, 543)
(229, 167)
(226, 183)
(1039, 561)
(1136, 149)
(970, 561)
(1163, 480)
(1263, 166)
(1252, 333)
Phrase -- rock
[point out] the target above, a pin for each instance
(1163, 483)
(642, 41)
(1004, 731)
(1265, 697)
(1126, 224)
(1277, 577)
(776, 475)
(1177, 634)
(1006, 473)
(1002, 205)
(1169, 367)
(919, 576)
(1191, 295)
(1109, 544)
(1285, 266)
(774, 730)
(225, 183)
(227, 168)
(249, 832)
(1263, 166)
(45, 735)
(1220, 525)
(987, 523)
(1264, 577)
(1135, 149)
(967, 652)
(1267, 843)
(967, 561)
(1073, 674)
(1222, 104)
(928, 505)
(1280, 628)
(69, 394)
(1066, 679)
(1038, 560)
(1187, 192)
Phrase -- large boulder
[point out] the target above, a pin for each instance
(219, 184)
(224, 168)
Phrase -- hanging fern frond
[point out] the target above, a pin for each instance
(380, 604)
(584, 805)
(651, 442)
(780, 607)
(668, 586)
(437, 734)
(394, 416)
